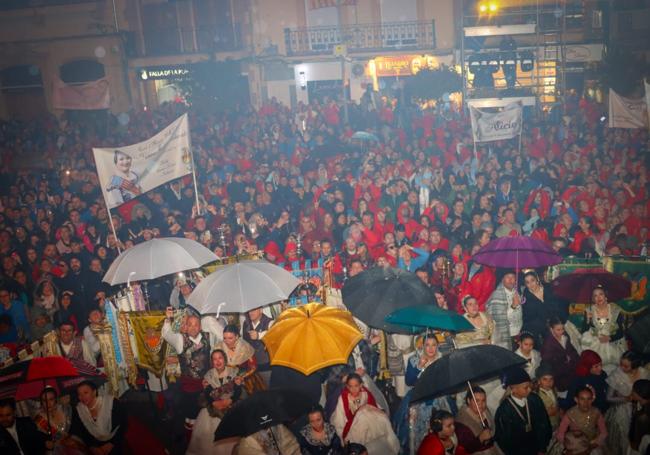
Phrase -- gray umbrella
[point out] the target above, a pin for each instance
(158, 257)
(243, 286)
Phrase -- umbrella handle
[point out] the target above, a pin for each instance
(480, 414)
(219, 308)
(128, 280)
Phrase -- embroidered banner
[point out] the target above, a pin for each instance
(147, 328)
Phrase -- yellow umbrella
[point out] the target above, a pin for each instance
(310, 337)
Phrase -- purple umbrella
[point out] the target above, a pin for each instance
(517, 252)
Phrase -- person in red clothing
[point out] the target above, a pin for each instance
(442, 439)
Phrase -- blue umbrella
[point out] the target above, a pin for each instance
(364, 136)
(429, 316)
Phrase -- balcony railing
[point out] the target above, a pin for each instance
(361, 37)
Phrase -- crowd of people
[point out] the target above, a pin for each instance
(296, 187)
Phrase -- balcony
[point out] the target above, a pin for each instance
(401, 36)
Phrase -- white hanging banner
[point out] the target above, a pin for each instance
(489, 126)
(126, 172)
(626, 112)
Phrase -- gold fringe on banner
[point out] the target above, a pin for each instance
(127, 352)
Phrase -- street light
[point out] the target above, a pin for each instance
(488, 7)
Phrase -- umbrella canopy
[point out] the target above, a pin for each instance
(375, 293)
(364, 136)
(580, 284)
(310, 337)
(262, 410)
(639, 333)
(517, 252)
(242, 286)
(430, 316)
(26, 380)
(158, 257)
(456, 369)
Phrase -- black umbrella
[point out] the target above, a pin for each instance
(456, 370)
(262, 410)
(374, 294)
(639, 333)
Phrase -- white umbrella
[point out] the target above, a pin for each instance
(158, 257)
(242, 286)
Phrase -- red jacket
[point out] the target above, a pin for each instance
(431, 445)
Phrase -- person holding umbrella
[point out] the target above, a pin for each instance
(54, 419)
(504, 307)
(477, 436)
(522, 426)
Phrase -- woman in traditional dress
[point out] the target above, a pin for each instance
(527, 351)
(241, 356)
(560, 354)
(483, 325)
(475, 424)
(619, 416)
(411, 421)
(442, 439)
(582, 430)
(358, 419)
(602, 331)
(54, 420)
(99, 421)
(319, 437)
(222, 388)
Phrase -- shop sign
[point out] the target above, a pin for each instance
(163, 72)
(403, 65)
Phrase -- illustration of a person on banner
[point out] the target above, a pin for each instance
(124, 183)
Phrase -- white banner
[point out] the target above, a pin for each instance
(488, 126)
(626, 112)
(126, 172)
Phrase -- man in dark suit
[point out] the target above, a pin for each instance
(18, 436)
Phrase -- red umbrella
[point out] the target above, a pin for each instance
(26, 380)
(579, 285)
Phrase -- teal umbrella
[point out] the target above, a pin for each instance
(429, 316)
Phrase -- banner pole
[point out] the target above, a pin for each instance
(196, 188)
(117, 240)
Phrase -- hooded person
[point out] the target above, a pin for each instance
(522, 426)
(589, 373)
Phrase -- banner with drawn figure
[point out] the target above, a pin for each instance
(147, 328)
(129, 171)
(626, 112)
(490, 126)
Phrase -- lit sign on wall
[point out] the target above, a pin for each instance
(163, 72)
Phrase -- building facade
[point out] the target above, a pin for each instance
(291, 50)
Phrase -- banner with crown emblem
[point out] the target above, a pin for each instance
(129, 171)
(151, 346)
